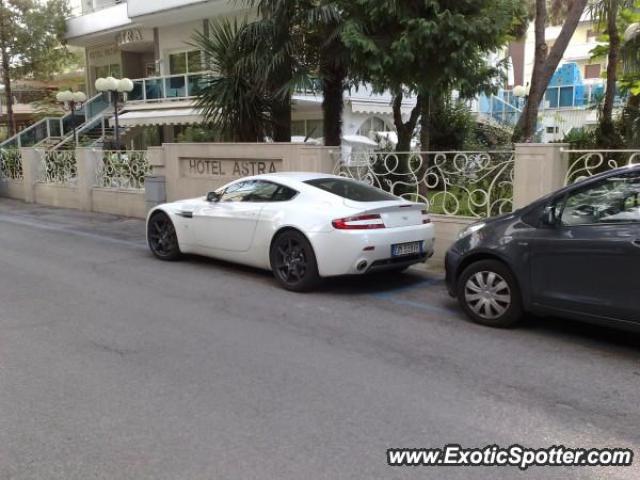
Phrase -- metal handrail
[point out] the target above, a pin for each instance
(86, 126)
(17, 138)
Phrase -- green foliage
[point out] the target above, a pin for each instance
(581, 138)
(34, 37)
(47, 107)
(10, 163)
(629, 123)
(198, 134)
(489, 137)
(427, 46)
(452, 125)
(236, 101)
(124, 170)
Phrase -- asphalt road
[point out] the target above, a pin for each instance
(114, 365)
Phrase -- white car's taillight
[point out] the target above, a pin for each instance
(425, 217)
(359, 222)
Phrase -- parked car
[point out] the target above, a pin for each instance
(574, 253)
(302, 226)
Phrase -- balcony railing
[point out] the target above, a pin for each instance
(187, 86)
(171, 87)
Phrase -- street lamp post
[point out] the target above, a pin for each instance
(72, 101)
(115, 88)
(521, 93)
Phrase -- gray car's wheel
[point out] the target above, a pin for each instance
(293, 262)
(489, 294)
(162, 238)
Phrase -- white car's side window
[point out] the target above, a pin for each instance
(257, 191)
(238, 192)
(613, 200)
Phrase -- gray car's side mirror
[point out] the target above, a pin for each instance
(213, 197)
(549, 218)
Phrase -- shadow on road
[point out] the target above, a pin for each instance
(582, 333)
(416, 288)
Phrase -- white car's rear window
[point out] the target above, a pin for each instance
(351, 190)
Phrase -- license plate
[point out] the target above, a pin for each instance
(402, 249)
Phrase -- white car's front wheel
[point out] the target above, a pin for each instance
(162, 238)
(293, 262)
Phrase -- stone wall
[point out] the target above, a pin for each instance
(190, 170)
(194, 169)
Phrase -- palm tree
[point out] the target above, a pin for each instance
(302, 39)
(273, 37)
(234, 101)
(323, 22)
(606, 15)
(292, 45)
(630, 53)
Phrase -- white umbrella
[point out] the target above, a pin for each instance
(359, 140)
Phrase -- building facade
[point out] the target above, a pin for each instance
(149, 42)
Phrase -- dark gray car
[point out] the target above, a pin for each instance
(574, 253)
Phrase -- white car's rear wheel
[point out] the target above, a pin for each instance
(162, 238)
(293, 262)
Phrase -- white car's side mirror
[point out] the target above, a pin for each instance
(213, 197)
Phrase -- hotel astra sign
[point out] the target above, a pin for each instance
(134, 36)
(227, 167)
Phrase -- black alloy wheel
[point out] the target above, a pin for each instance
(293, 262)
(162, 238)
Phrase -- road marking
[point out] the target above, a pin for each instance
(392, 296)
(422, 306)
(413, 286)
(69, 230)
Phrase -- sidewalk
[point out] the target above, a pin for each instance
(105, 225)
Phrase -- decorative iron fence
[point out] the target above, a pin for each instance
(474, 184)
(123, 170)
(58, 167)
(587, 163)
(10, 164)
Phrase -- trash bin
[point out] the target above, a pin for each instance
(155, 191)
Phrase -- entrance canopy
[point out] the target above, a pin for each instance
(175, 116)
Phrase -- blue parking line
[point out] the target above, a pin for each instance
(391, 297)
(424, 283)
(421, 306)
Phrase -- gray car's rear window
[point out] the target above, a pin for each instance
(351, 189)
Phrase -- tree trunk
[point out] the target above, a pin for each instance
(333, 86)
(425, 127)
(282, 76)
(606, 122)
(402, 177)
(405, 130)
(6, 77)
(281, 113)
(545, 65)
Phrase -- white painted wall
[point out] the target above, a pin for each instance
(147, 7)
(111, 18)
(175, 38)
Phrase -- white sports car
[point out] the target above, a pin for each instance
(302, 226)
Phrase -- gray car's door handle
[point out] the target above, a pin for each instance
(636, 243)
